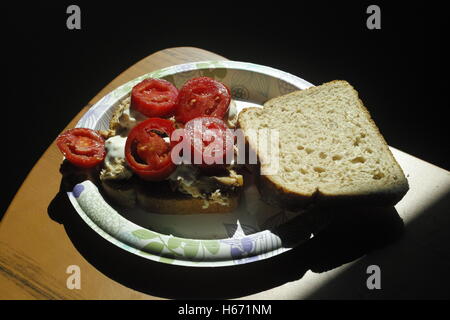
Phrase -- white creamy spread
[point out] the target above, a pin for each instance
(114, 164)
(115, 148)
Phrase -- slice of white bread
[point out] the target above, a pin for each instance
(330, 150)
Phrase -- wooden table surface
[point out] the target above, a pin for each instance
(35, 249)
(41, 236)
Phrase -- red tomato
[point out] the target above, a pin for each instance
(202, 97)
(211, 141)
(154, 98)
(82, 147)
(146, 152)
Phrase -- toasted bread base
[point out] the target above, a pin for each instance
(186, 205)
(160, 198)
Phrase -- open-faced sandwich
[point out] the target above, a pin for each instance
(136, 154)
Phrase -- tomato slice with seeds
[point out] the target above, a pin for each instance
(146, 151)
(83, 147)
(202, 97)
(211, 142)
(154, 98)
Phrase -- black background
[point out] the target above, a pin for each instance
(52, 72)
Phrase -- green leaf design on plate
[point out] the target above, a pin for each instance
(170, 78)
(154, 247)
(169, 258)
(191, 248)
(173, 243)
(144, 234)
(146, 253)
(158, 73)
(203, 65)
(213, 69)
(214, 73)
(212, 246)
(166, 260)
(221, 73)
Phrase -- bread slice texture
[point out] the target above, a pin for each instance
(329, 151)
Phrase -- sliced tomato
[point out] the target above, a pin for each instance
(146, 151)
(211, 141)
(202, 97)
(154, 98)
(82, 147)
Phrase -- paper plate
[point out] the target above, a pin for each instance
(251, 233)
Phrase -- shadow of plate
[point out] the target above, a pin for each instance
(353, 233)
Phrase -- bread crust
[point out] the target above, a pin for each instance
(281, 196)
(187, 205)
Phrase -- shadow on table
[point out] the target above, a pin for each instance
(355, 233)
(416, 268)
